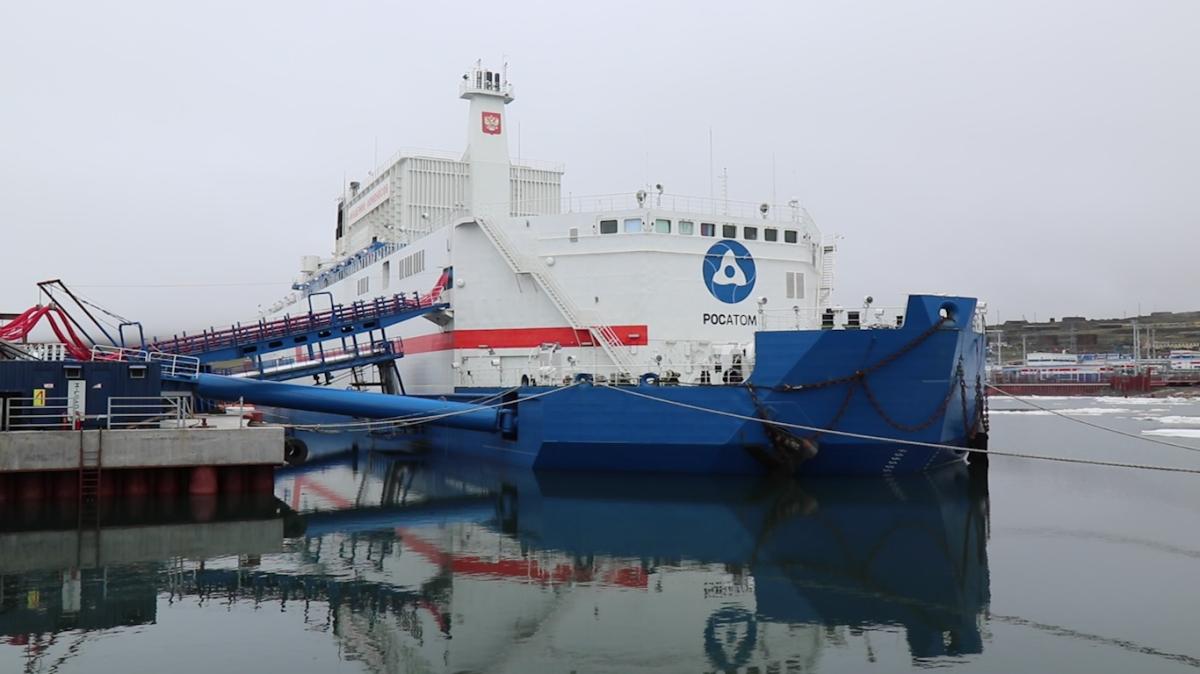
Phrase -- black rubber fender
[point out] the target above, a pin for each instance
(295, 451)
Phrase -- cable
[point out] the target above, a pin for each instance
(184, 285)
(898, 441)
(1093, 424)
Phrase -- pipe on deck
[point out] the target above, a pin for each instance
(350, 403)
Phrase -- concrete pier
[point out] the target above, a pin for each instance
(25, 451)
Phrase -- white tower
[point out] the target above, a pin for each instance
(487, 144)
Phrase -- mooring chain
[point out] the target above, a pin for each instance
(913, 428)
(859, 374)
(860, 377)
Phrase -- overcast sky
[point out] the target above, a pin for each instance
(1044, 156)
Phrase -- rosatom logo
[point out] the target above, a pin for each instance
(729, 271)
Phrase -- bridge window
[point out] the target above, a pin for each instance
(633, 225)
(708, 229)
(751, 233)
(608, 226)
(687, 227)
(385, 277)
(790, 236)
(728, 231)
(770, 234)
(662, 226)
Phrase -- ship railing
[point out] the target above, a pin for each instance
(628, 201)
(148, 412)
(170, 364)
(48, 351)
(454, 156)
(266, 330)
(37, 414)
(352, 264)
(836, 318)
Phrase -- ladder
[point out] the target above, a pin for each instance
(90, 463)
(601, 334)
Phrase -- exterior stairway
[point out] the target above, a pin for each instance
(602, 334)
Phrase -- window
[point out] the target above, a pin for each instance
(795, 285)
(137, 371)
(687, 227)
(73, 371)
(728, 231)
(789, 235)
(633, 225)
(662, 226)
(708, 229)
(770, 234)
(385, 276)
(608, 226)
(573, 234)
(751, 233)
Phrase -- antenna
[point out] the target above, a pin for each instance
(725, 188)
(712, 195)
(774, 182)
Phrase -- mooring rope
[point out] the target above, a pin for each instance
(913, 443)
(1093, 424)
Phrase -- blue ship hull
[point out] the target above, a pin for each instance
(922, 382)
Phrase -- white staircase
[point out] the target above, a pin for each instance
(601, 334)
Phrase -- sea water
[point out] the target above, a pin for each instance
(382, 564)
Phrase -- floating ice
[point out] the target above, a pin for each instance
(1175, 432)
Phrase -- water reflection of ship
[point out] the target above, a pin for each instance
(760, 573)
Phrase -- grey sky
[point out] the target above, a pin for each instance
(1043, 156)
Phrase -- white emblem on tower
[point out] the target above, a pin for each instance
(729, 273)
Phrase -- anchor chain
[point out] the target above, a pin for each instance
(859, 374)
(790, 449)
(928, 421)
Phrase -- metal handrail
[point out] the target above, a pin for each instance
(140, 411)
(27, 419)
(241, 334)
(170, 364)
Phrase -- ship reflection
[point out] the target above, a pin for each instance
(645, 573)
(428, 566)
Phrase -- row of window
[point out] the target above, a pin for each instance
(688, 228)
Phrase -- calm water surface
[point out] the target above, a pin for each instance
(386, 565)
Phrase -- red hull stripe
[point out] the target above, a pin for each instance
(518, 338)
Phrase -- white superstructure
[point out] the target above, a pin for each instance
(544, 287)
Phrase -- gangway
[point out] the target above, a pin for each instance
(308, 335)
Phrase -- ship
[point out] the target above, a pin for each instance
(641, 331)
